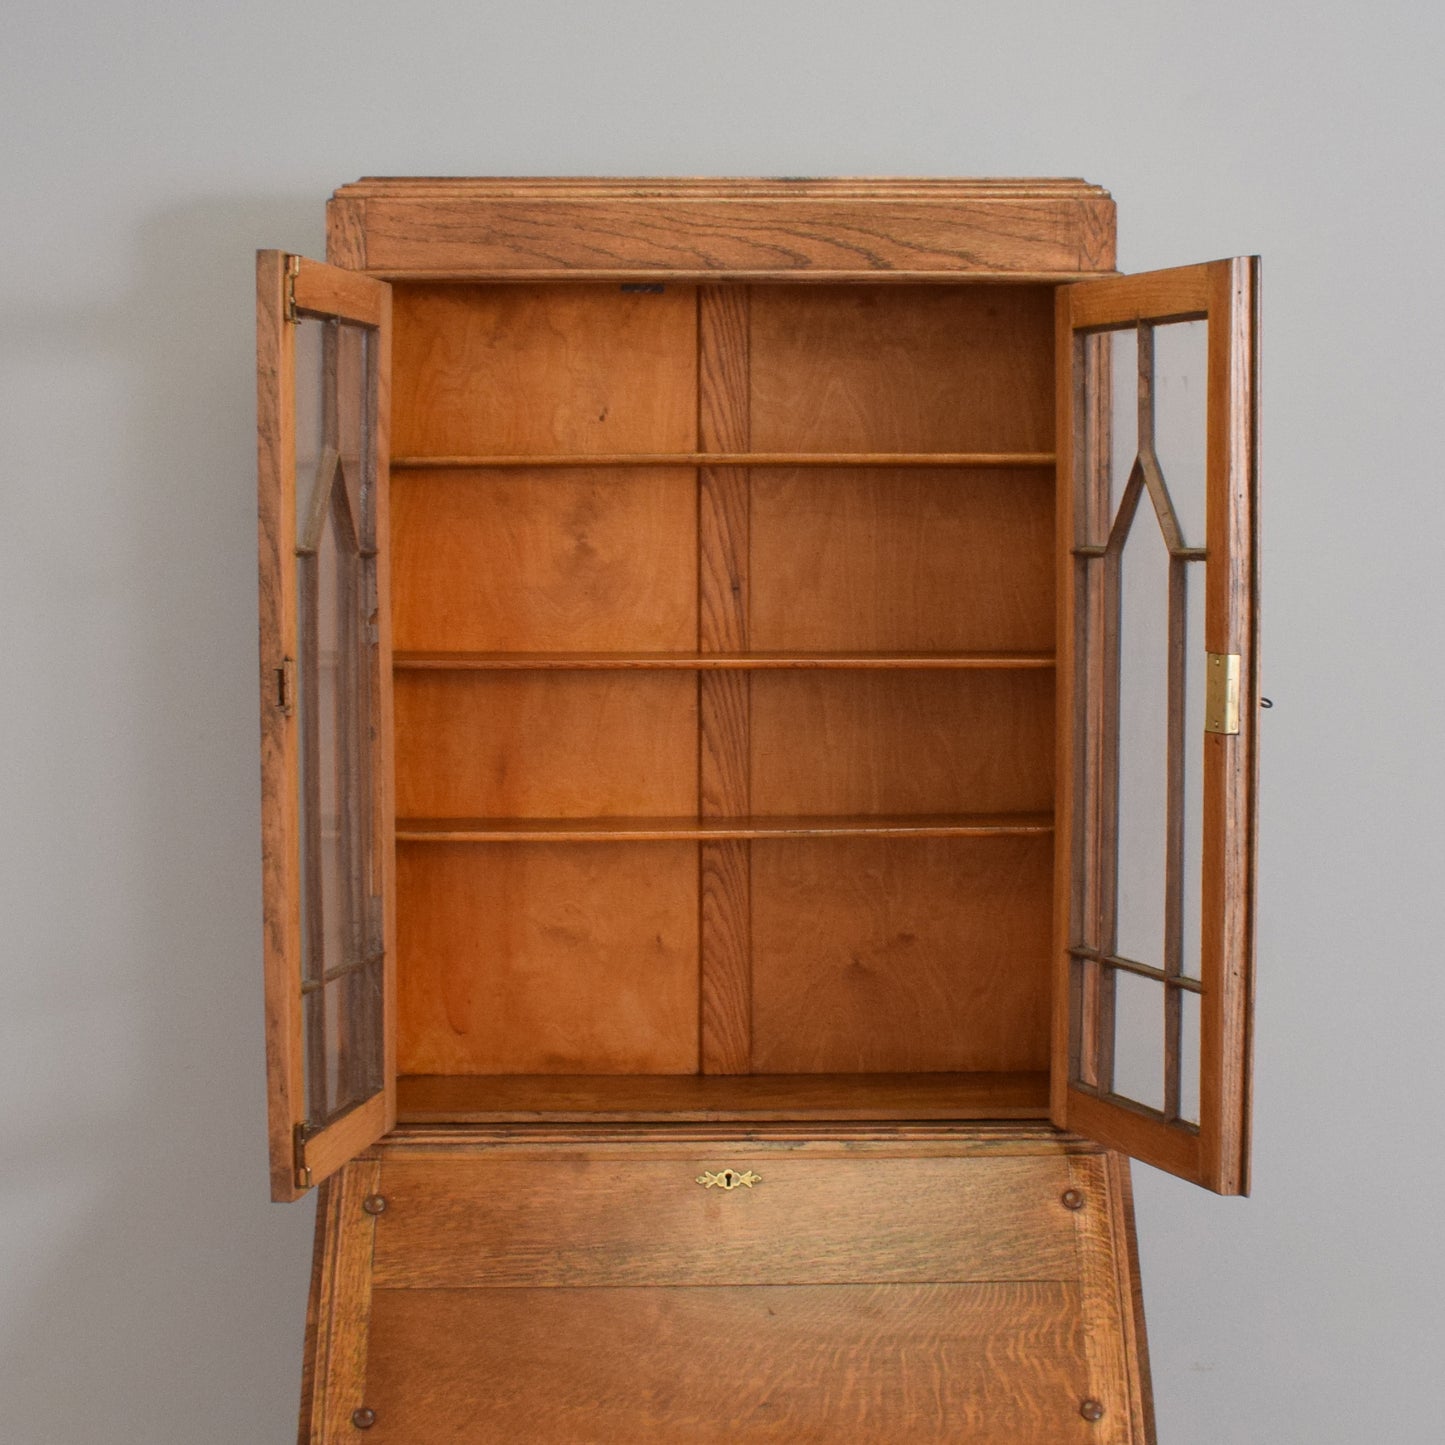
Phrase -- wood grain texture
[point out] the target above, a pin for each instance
(1105, 1302)
(679, 1098)
(725, 947)
(280, 759)
(902, 742)
(873, 369)
(805, 229)
(610, 1222)
(533, 959)
(538, 368)
(1224, 293)
(1125, 1247)
(991, 459)
(330, 291)
(346, 234)
(996, 1364)
(874, 559)
(546, 744)
(1231, 624)
(516, 560)
(710, 830)
(544, 1350)
(872, 955)
(338, 1316)
(847, 661)
(282, 813)
(724, 707)
(1137, 1132)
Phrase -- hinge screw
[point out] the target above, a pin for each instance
(1072, 1199)
(1091, 1410)
(374, 1204)
(364, 1418)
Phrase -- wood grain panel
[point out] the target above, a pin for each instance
(892, 560)
(723, 697)
(679, 1098)
(545, 745)
(994, 1364)
(534, 959)
(579, 1222)
(527, 369)
(338, 1313)
(726, 984)
(879, 368)
(902, 742)
(585, 560)
(823, 229)
(872, 955)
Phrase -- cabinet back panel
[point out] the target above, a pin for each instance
(546, 744)
(541, 369)
(553, 560)
(902, 742)
(535, 959)
(880, 955)
(902, 560)
(902, 368)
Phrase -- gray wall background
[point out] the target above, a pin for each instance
(151, 1293)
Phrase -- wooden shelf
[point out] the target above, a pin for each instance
(691, 1098)
(643, 830)
(737, 459)
(714, 662)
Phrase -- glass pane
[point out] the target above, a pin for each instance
(313, 1021)
(1192, 822)
(1180, 388)
(1143, 827)
(1189, 1057)
(1123, 412)
(1139, 1039)
(335, 674)
(311, 409)
(353, 418)
(1141, 611)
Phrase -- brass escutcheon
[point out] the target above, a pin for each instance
(728, 1179)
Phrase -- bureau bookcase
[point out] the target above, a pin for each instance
(758, 687)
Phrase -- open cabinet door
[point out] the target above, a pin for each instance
(1158, 698)
(323, 362)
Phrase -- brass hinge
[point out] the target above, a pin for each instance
(293, 270)
(1221, 692)
(286, 685)
(303, 1170)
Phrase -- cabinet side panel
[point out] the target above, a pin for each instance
(334, 1376)
(1110, 1304)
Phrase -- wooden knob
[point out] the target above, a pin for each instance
(364, 1418)
(1091, 1410)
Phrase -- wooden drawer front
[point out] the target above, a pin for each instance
(470, 1223)
(991, 1364)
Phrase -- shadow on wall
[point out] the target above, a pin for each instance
(164, 1297)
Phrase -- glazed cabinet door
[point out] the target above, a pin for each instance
(1158, 699)
(323, 360)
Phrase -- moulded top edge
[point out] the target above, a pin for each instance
(881, 188)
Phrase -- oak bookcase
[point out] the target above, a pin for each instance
(758, 685)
